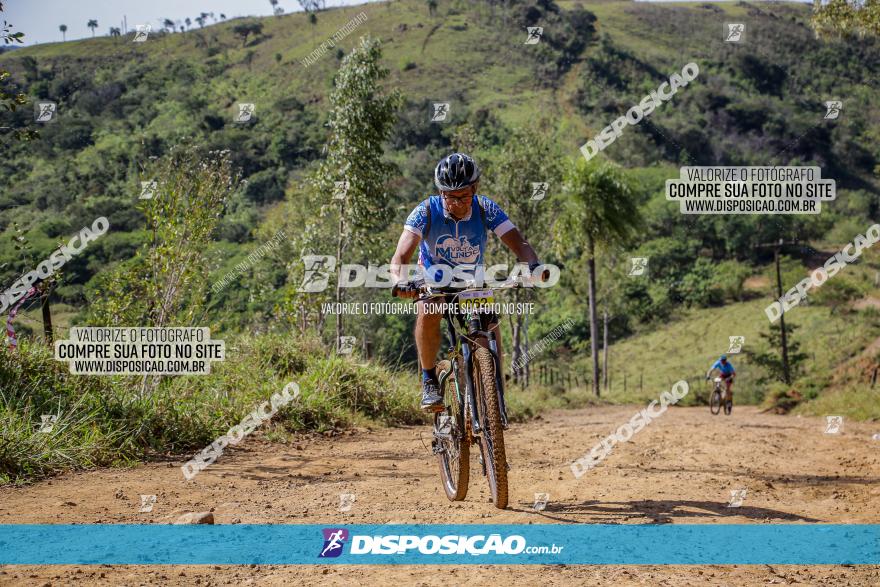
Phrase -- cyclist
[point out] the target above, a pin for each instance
(728, 373)
(452, 229)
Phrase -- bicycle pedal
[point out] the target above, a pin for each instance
(444, 424)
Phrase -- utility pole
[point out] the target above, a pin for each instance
(786, 373)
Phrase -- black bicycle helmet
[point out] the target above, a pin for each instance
(456, 171)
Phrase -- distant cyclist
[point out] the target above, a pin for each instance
(727, 372)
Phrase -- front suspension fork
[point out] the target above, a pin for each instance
(499, 382)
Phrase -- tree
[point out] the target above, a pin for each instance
(309, 5)
(31, 69)
(600, 211)
(771, 359)
(168, 25)
(12, 100)
(527, 156)
(222, 16)
(843, 17)
(63, 29)
(188, 22)
(92, 24)
(360, 122)
(166, 282)
(200, 20)
(432, 7)
(313, 19)
(245, 29)
(274, 4)
(249, 57)
(115, 31)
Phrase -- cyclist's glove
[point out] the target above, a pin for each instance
(545, 274)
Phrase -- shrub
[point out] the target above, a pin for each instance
(106, 420)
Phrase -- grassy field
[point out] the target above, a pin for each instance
(686, 348)
(833, 337)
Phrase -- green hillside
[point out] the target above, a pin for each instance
(122, 105)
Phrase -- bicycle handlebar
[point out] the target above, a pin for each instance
(419, 285)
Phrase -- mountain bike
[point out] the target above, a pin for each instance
(472, 386)
(717, 397)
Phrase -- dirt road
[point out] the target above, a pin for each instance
(679, 469)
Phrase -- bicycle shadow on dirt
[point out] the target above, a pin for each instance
(656, 511)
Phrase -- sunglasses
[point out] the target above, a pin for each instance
(456, 199)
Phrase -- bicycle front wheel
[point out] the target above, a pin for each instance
(492, 436)
(453, 444)
(715, 402)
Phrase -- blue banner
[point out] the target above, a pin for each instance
(570, 544)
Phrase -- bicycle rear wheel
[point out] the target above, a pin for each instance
(492, 435)
(452, 445)
(715, 402)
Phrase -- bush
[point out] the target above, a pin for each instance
(265, 187)
(106, 420)
(729, 278)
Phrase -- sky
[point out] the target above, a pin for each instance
(40, 19)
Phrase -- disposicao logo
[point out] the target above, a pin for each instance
(450, 544)
(334, 540)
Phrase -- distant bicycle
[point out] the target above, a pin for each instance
(717, 399)
(726, 375)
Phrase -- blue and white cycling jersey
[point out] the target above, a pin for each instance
(725, 369)
(455, 242)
